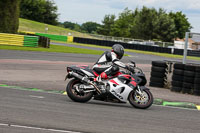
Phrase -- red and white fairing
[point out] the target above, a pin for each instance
(119, 89)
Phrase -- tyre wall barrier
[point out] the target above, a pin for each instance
(18, 40)
(158, 74)
(178, 51)
(195, 53)
(125, 45)
(188, 78)
(136, 46)
(196, 90)
(177, 77)
(185, 78)
(44, 42)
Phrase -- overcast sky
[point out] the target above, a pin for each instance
(80, 11)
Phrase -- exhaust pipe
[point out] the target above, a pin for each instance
(84, 79)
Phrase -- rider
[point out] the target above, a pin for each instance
(108, 64)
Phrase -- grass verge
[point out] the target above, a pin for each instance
(33, 26)
(54, 48)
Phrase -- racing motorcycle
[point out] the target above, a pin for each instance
(129, 85)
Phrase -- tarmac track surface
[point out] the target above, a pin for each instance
(27, 111)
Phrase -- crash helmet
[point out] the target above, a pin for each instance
(118, 50)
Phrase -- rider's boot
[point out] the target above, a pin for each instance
(100, 83)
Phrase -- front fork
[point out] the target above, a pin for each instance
(139, 90)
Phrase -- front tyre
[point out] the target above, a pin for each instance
(74, 94)
(141, 101)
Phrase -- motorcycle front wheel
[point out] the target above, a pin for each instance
(141, 101)
(74, 94)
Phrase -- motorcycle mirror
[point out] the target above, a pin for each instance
(133, 63)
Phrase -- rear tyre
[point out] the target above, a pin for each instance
(74, 95)
(141, 102)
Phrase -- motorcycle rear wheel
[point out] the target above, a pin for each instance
(141, 102)
(74, 95)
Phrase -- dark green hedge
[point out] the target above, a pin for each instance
(9, 16)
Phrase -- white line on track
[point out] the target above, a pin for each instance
(40, 97)
(37, 128)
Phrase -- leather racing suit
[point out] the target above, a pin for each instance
(108, 65)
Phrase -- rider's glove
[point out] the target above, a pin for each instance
(127, 67)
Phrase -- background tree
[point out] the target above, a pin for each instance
(9, 14)
(69, 25)
(39, 10)
(123, 24)
(72, 26)
(146, 24)
(90, 27)
(181, 24)
(108, 23)
(164, 28)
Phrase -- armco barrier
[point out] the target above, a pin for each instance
(31, 41)
(18, 40)
(11, 39)
(53, 37)
(70, 39)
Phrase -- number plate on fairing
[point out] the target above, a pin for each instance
(119, 89)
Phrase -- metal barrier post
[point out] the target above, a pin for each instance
(185, 47)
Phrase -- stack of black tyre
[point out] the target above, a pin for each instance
(177, 77)
(158, 74)
(197, 81)
(188, 78)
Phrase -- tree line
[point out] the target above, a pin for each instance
(87, 27)
(145, 23)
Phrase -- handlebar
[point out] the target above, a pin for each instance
(132, 68)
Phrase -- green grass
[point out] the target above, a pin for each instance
(33, 26)
(54, 48)
(141, 52)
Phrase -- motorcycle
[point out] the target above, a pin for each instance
(129, 85)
